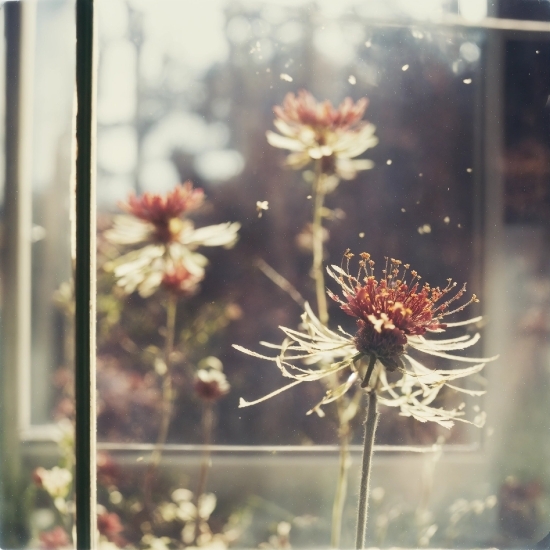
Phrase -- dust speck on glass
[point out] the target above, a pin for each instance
(323, 276)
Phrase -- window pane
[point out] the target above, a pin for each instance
(186, 93)
(37, 406)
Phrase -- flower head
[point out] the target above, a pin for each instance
(163, 210)
(391, 310)
(393, 317)
(55, 539)
(319, 131)
(109, 525)
(56, 482)
(164, 242)
(211, 384)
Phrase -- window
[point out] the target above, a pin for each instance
(452, 179)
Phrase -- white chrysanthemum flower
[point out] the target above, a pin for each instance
(151, 542)
(166, 242)
(56, 482)
(393, 317)
(318, 131)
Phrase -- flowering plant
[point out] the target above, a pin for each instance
(392, 316)
(164, 242)
(319, 131)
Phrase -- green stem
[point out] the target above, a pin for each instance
(370, 430)
(207, 427)
(322, 310)
(370, 368)
(342, 485)
(167, 395)
(318, 249)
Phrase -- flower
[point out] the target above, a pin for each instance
(108, 471)
(390, 311)
(393, 317)
(211, 384)
(55, 539)
(109, 525)
(178, 280)
(156, 543)
(319, 131)
(164, 241)
(56, 482)
(161, 211)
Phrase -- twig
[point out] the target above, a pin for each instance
(280, 281)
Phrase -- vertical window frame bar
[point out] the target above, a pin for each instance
(85, 386)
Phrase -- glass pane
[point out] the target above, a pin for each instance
(443, 169)
(37, 405)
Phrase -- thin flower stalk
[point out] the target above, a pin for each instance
(318, 248)
(207, 426)
(167, 394)
(344, 434)
(371, 422)
(210, 386)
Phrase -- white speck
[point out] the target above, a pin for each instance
(467, 81)
(537, 51)
(139, 459)
(420, 175)
(268, 70)
(417, 34)
(446, 219)
(289, 63)
(469, 170)
(490, 431)
(426, 228)
(308, 197)
(368, 43)
(404, 67)
(361, 235)
(37, 233)
(261, 206)
(388, 162)
(417, 202)
(352, 80)
(459, 226)
(470, 52)
(286, 77)
(403, 210)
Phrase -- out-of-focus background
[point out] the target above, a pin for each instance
(460, 96)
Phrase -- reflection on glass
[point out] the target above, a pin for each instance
(37, 349)
(218, 215)
(187, 93)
